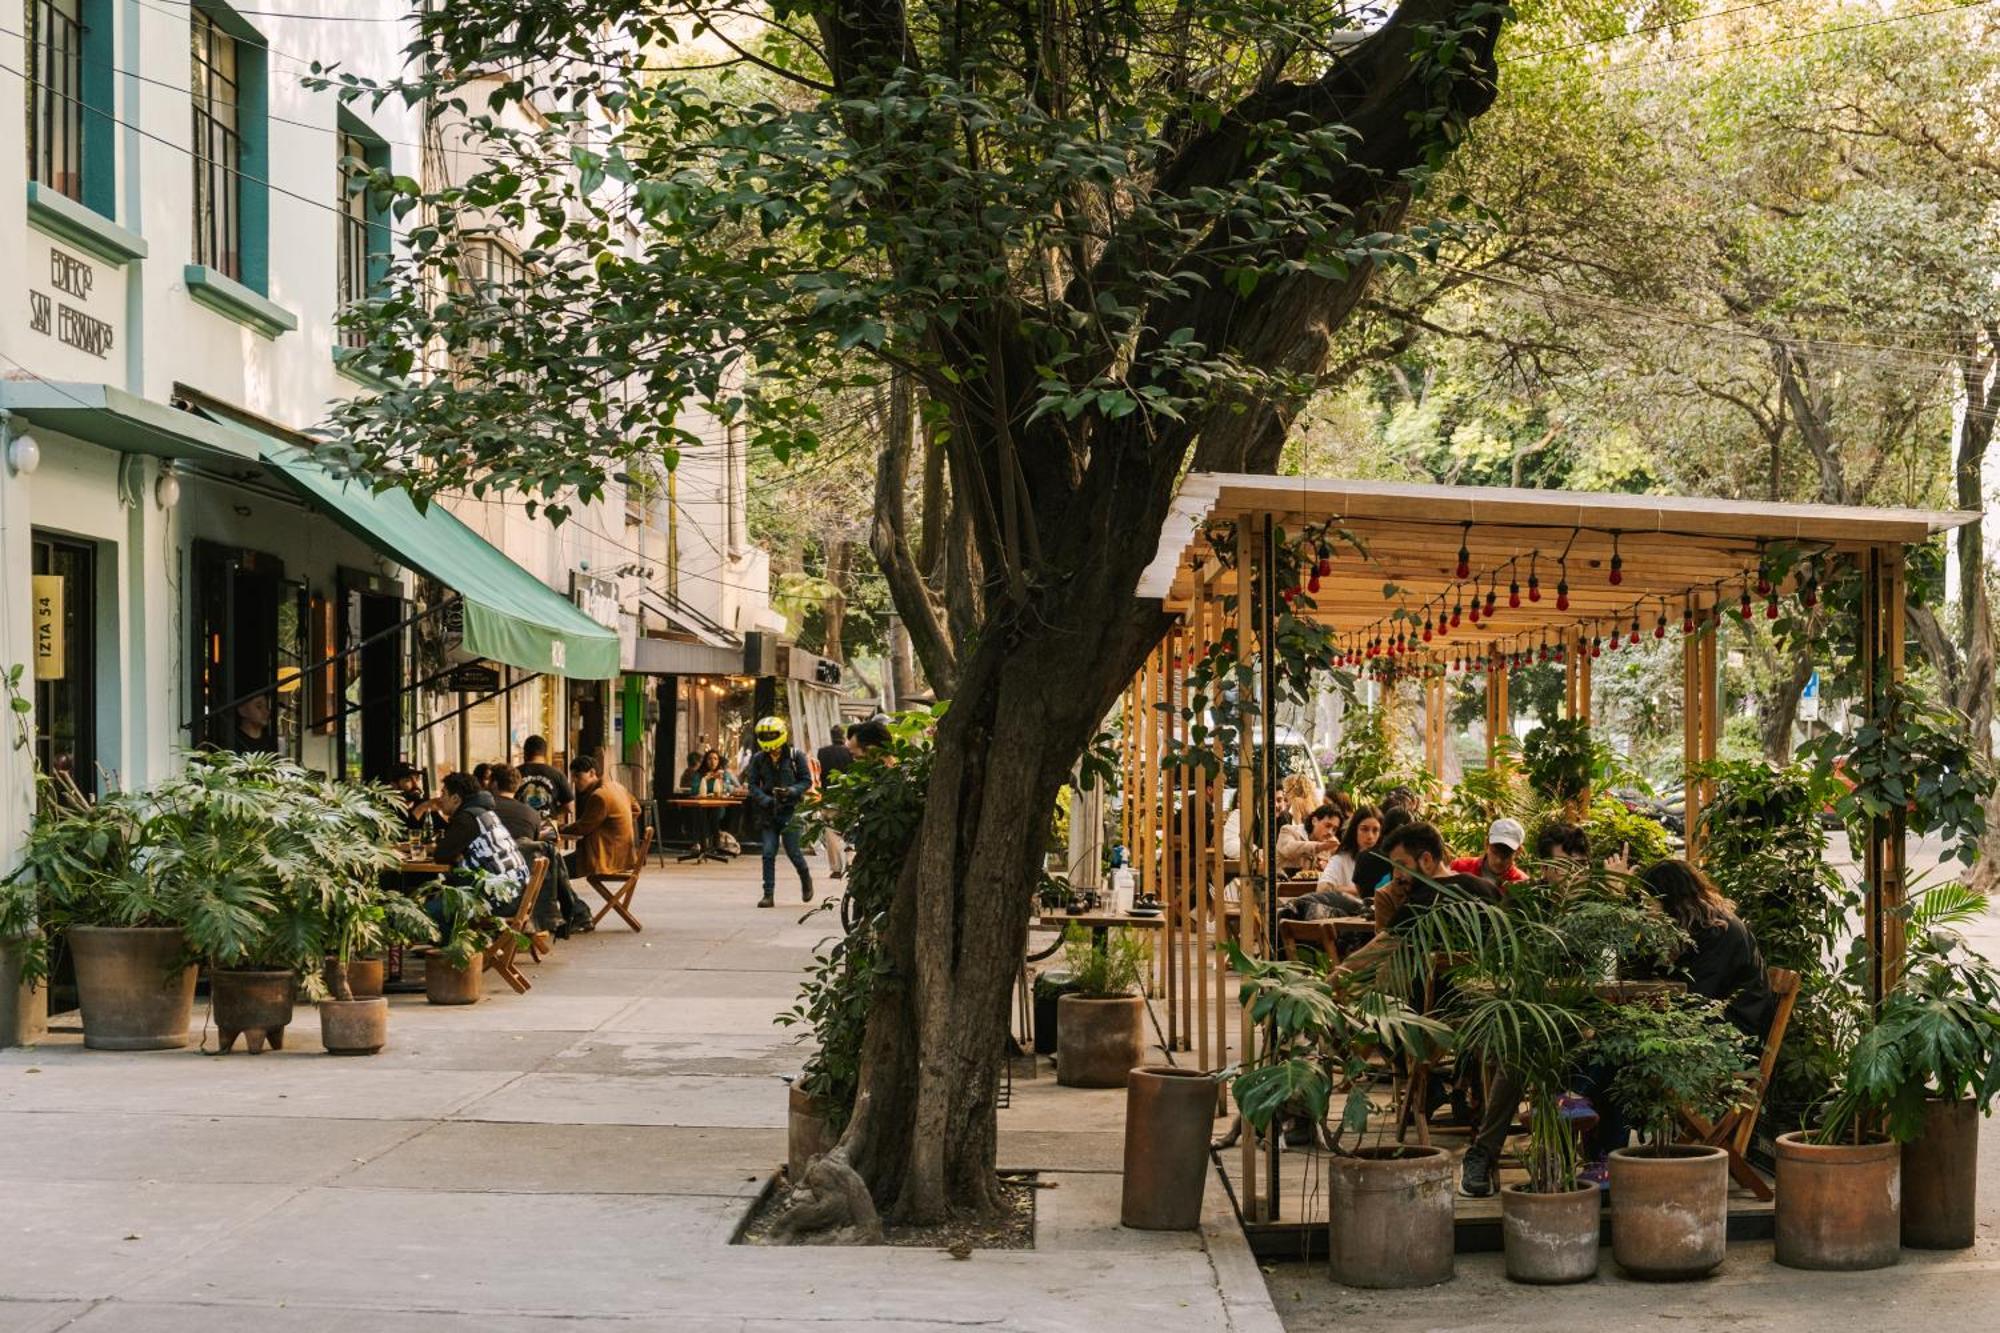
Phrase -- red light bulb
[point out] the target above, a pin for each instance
(1513, 595)
(1687, 621)
(1312, 584)
(1617, 568)
(1771, 607)
(1562, 595)
(1809, 596)
(1743, 606)
(1534, 588)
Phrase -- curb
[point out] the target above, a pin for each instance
(1246, 1299)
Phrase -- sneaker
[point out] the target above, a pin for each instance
(766, 901)
(839, 874)
(1475, 1175)
(805, 891)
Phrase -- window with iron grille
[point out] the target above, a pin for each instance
(55, 95)
(218, 147)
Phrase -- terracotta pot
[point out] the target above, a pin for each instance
(364, 976)
(1551, 1238)
(1840, 1206)
(135, 992)
(254, 1005)
(1940, 1173)
(808, 1131)
(445, 984)
(24, 1005)
(1390, 1216)
(354, 1027)
(1669, 1213)
(1169, 1114)
(1099, 1042)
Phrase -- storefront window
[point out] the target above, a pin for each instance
(249, 627)
(65, 606)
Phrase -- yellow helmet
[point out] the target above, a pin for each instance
(772, 734)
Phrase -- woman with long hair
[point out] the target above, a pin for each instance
(1721, 961)
(1362, 832)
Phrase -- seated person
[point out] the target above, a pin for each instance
(536, 836)
(542, 783)
(606, 822)
(685, 782)
(420, 812)
(1722, 962)
(1496, 866)
(1301, 846)
(475, 839)
(712, 777)
(1362, 832)
(1420, 878)
(1561, 849)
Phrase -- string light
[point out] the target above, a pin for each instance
(1617, 562)
(1464, 552)
(1534, 579)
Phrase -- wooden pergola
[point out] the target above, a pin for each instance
(1425, 580)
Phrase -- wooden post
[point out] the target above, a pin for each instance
(1882, 595)
(1249, 565)
(1699, 726)
(1198, 887)
(1499, 722)
(1434, 726)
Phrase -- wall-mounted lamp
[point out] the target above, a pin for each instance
(167, 490)
(24, 455)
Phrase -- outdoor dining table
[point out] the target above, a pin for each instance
(709, 820)
(1101, 924)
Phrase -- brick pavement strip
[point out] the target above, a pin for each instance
(572, 1158)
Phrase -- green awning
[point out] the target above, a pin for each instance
(510, 616)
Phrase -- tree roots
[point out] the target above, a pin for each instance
(832, 1205)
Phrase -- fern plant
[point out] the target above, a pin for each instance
(1106, 973)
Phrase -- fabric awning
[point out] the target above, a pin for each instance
(107, 416)
(510, 616)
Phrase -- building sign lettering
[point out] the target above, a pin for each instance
(73, 327)
(47, 595)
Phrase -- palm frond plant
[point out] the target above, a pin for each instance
(77, 869)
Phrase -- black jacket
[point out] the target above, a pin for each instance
(1725, 964)
(777, 783)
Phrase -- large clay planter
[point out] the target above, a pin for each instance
(1940, 1171)
(808, 1131)
(364, 976)
(256, 1006)
(354, 1027)
(24, 1005)
(1551, 1238)
(1840, 1206)
(1390, 1216)
(1099, 1042)
(1670, 1213)
(445, 984)
(135, 992)
(1169, 1114)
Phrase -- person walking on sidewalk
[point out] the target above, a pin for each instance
(778, 779)
(834, 757)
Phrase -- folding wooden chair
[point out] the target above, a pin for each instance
(500, 953)
(619, 899)
(1734, 1130)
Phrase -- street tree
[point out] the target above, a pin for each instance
(1098, 244)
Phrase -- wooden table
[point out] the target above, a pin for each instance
(707, 847)
(1101, 924)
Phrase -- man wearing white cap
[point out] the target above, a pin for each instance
(1503, 844)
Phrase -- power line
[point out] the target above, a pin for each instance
(1673, 25)
(1828, 31)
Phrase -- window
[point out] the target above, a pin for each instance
(55, 95)
(490, 272)
(248, 630)
(230, 199)
(364, 223)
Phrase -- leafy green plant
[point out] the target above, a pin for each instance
(76, 869)
(1559, 758)
(1106, 973)
(1678, 1052)
(876, 806)
(469, 914)
(1611, 825)
(1322, 1038)
(1938, 1032)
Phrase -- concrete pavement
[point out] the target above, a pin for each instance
(576, 1157)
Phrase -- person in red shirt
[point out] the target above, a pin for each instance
(1503, 844)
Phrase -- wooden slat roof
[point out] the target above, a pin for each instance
(1675, 549)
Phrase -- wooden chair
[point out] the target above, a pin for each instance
(500, 953)
(619, 899)
(1734, 1130)
(1319, 936)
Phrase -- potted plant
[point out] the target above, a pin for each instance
(1101, 1023)
(79, 878)
(1524, 997)
(225, 841)
(351, 842)
(1669, 1202)
(468, 908)
(1903, 1121)
(1390, 1208)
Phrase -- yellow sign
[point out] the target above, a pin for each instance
(49, 655)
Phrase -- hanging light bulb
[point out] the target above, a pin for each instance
(1809, 595)
(1614, 638)
(1427, 629)
(1513, 592)
(1456, 607)
(1490, 597)
(1687, 619)
(1771, 605)
(1743, 604)
(1596, 646)
(1464, 553)
(1763, 578)
(1534, 585)
(1325, 560)
(1562, 594)
(1617, 575)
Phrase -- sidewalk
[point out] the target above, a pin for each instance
(576, 1157)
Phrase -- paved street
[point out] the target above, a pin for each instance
(575, 1157)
